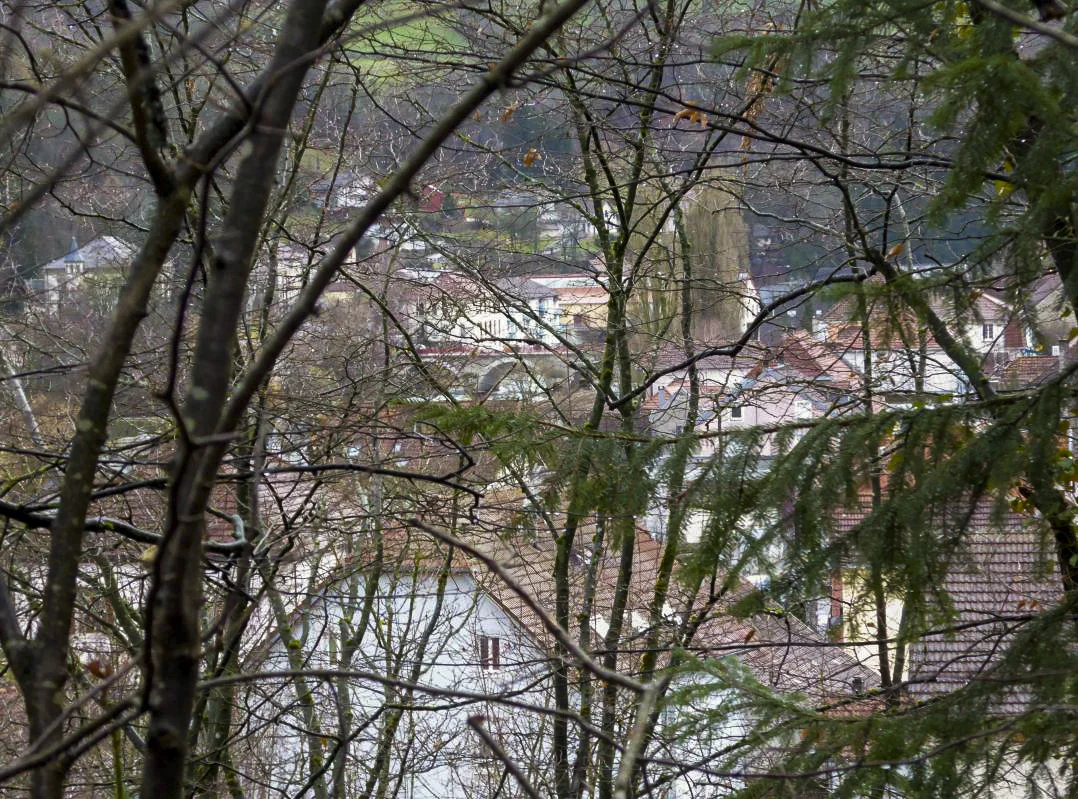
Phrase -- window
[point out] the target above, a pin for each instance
(988, 331)
(490, 653)
(735, 411)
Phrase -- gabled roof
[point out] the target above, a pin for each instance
(579, 281)
(670, 355)
(1027, 370)
(814, 361)
(465, 287)
(524, 288)
(431, 199)
(1047, 289)
(779, 649)
(997, 576)
(893, 325)
(995, 584)
(104, 252)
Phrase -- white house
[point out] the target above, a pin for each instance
(97, 268)
(454, 309)
(447, 644)
(438, 649)
(907, 358)
(582, 300)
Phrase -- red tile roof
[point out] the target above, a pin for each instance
(999, 574)
(815, 360)
(780, 650)
(1028, 370)
(996, 584)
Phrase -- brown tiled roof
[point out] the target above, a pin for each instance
(994, 584)
(670, 356)
(1027, 370)
(1014, 335)
(787, 654)
(815, 360)
(1045, 287)
(895, 327)
(780, 650)
(997, 576)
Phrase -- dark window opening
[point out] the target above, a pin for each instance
(490, 653)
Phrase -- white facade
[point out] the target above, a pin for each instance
(445, 664)
(456, 310)
(97, 267)
(457, 649)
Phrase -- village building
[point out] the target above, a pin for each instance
(92, 272)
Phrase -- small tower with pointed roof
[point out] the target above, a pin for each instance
(74, 261)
